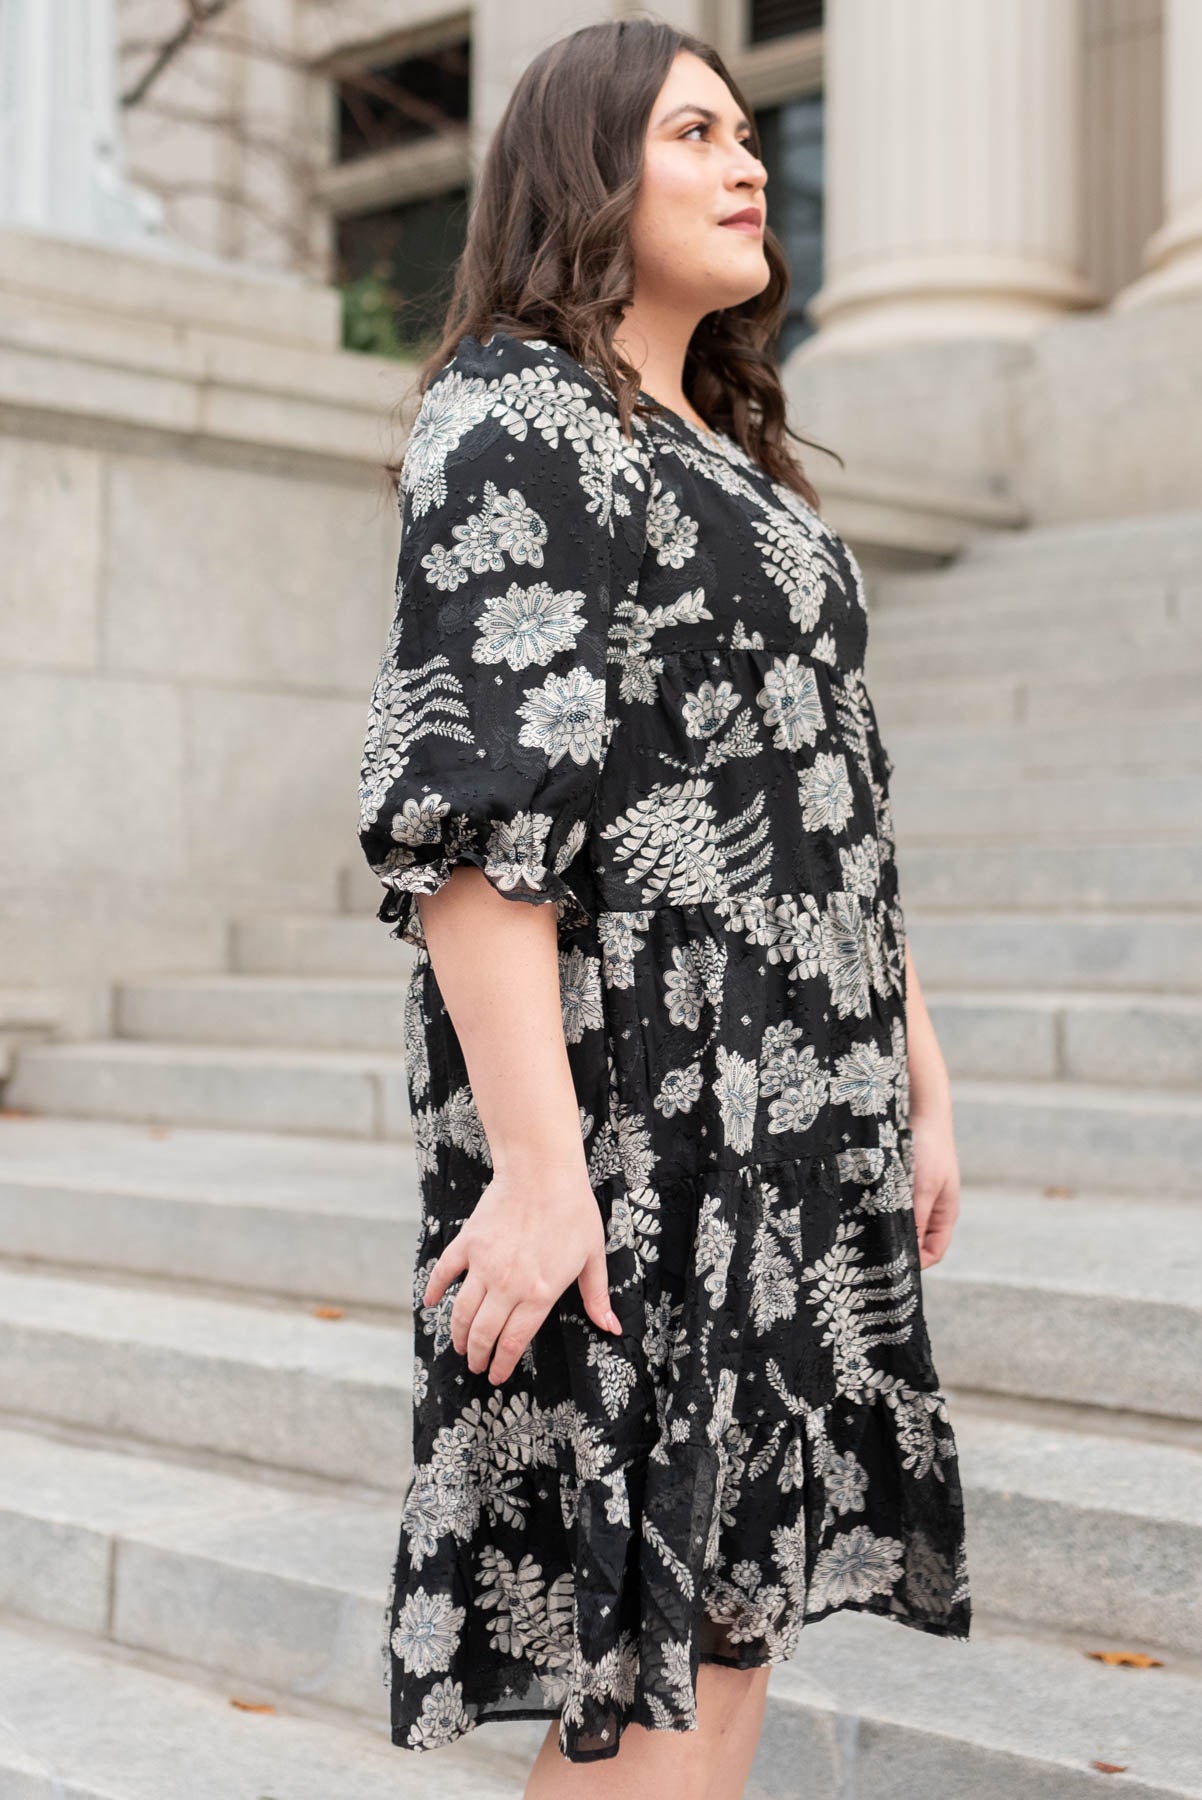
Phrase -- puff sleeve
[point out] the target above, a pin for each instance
(523, 520)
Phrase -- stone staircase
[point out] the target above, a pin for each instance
(207, 1226)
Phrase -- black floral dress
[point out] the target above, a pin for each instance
(626, 678)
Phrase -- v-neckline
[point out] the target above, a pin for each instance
(705, 432)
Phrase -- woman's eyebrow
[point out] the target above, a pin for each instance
(710, 117)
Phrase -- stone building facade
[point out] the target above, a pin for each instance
(990, 329)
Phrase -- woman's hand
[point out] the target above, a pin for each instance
(936, 1171)
(530, 1235)
(936, 1182)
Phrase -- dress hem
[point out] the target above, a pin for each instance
(488, 1712)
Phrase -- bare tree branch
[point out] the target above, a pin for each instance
(381, 111)
(264, 143)
(232, 196)
(200, 12)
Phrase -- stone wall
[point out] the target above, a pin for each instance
(199, 549)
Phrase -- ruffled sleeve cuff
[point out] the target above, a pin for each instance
(511, 854)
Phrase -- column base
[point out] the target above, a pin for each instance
(933, 300)
(1174, 265)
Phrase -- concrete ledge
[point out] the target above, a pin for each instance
(173, 285)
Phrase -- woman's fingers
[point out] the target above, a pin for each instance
(593, 1281)
(516, 1333)
(467, 1304)
(451, 1263)
(506, 1294)
(936, 1232)
(489, 1319)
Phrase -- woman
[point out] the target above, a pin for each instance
(673, 1392)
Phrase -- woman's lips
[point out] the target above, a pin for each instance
(752, 225)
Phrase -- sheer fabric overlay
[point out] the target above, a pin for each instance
(627, 679)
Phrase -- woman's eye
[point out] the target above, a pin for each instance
(704, 126)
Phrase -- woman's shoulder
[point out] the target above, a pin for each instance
(530, 399)
(502, 367)
(524, 413)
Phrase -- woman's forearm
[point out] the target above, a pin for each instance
(930, 1087)
(496, 962)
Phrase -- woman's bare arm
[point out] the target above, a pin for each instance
(497, 966)
(537, 1227)
(936, 1169)
(930, 1087)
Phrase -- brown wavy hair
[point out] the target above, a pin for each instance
(547, 251)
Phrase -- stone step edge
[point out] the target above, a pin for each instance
(990, 1197)
(1139, 1490)
(199, 1052)
(232, 984)
(398, 1156)
(1024, 1702)
(993, 1089)
(1050, 998)
(181, 1736)
(1090, 1096)
(985, 914)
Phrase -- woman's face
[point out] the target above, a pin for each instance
(698, 169)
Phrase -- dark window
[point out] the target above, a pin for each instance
(402, 260)
(403, 102)
(780, 18)
(791, 145)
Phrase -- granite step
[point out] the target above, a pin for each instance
(81, 1723)
(1067, 1531)
(1087, 1300)
(965, 755)
(343, 1093)
(999, 1717)
(1165, 875)
(1078, 1531)
(1095, 549)
(324, 1220)
(962, 597)
(1079, 1134)
(1080, 807)
(1067, 878)
(1069, 1298)
(1097, 950)
(1111, 1134)
(252, 1384)
(1026, 696)
(320, 1012)
(858, 1712)
(1146, 1040)
(1073, 653)
(278, 1584)
(355, 944)
(1146, 1037)
(1096, 915)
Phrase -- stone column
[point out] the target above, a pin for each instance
(953, 178)
(61, 166)
(1173, 254)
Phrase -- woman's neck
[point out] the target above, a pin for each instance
(656, 346)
